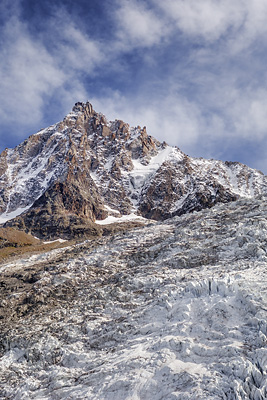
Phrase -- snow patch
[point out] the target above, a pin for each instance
(141, 173)
(124, 218)
(111, 209)
(56, 240)
(7, 216)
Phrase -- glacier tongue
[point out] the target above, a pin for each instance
(175, 310)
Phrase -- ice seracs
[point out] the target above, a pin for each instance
(173, 310)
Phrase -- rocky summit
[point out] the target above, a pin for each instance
(70, 178)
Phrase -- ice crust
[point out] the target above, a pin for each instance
(175, 310)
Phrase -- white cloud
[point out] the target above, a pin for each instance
(173, 118)
(30, 74)
(208, 19)
(254, 27)
(138, 25)
(238, 23)
(74, 49)
(249, 114)
(27, 74)
(241, 119)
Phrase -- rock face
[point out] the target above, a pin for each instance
(63, 178)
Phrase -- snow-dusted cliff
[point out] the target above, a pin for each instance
(86, 168)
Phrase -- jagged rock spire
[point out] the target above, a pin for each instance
(86, 108)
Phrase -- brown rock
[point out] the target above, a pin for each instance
(105, 131)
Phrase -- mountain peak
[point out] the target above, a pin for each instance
(85, 169)
(86, 108)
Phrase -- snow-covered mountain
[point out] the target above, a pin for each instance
(86, 169)
(175, 310)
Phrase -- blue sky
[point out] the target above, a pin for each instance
(193, 71)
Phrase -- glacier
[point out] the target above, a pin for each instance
(173, 310)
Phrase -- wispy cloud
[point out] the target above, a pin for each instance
(138, 25)
(34, 69)
(28, 73)
(206, 19)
